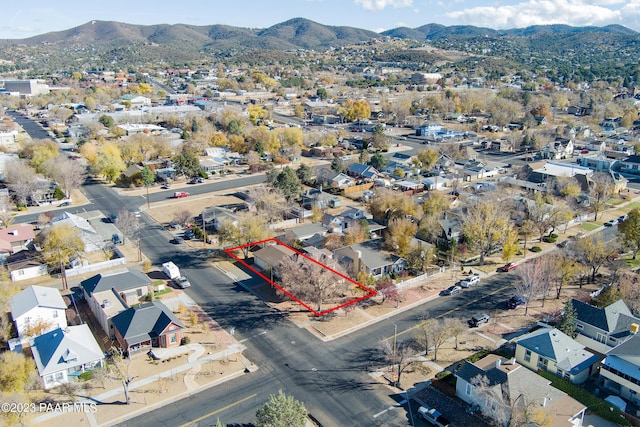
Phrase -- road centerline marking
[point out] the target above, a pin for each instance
(217, 411)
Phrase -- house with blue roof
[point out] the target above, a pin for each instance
(551, 350)
(65, 353)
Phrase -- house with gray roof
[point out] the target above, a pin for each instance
(553, 351)
(501, 388)
(308, 234)
(369, 257)
(110, 293)
(603, 328)
(620, 373)
(271, 255)
(147, 325)
(359, 170)
(65, 353)
(36, 310)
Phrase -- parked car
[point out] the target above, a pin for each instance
(469, 281)
(508, 267)
(165, 186)
(63, 204)
(112, 218)
(181, 282)
(478, 320)
(610, 223)
(433, 417)
(177, 240)
(116, 239)
(452, 290)
(622, 218)
(515, 301)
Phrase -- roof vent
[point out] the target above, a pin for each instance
(106, 303)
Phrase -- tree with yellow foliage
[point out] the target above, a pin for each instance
(486, 226)
(219, 139)
(108, 161)
(61, 243)
(39, 152)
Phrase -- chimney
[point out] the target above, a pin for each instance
(634, 328)
(14, 232)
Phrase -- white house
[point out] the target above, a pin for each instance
(36, 310)
(65, 353)
(25, 265)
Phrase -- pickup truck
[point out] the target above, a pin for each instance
(433, 417)
(179, 194)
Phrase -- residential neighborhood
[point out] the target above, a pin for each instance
(371, 242)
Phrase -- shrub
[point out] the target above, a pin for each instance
(550, 239)
(86, 376)
(185, 340)
(58, 194)
(443, 374)
(536, 249)
(477, 356)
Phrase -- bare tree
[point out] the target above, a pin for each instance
(66, 172)
(310, 280)
(6, 215)
(270, 202)
(20, 178)
(601, 187)
(455, 327)
(530, 275)
(119, 371)
(182, 217)
(433, 333)
(400, 355)
(128, 223)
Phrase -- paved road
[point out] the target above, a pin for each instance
(332, 379)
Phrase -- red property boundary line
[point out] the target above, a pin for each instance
(370, 292)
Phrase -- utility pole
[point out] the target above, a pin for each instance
(395, 341)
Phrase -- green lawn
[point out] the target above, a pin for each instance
(632, 205)
(589, 226)
(632, 263)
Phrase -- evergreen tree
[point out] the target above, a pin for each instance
(568, 320)
(281, 411)
(378, 161)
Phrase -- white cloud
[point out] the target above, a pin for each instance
(382, 4)
(538, 12)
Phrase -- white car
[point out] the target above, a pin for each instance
(470, 281)
(181, 282)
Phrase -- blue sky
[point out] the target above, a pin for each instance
(33, 17)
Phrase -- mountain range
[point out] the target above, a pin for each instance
(297, 33)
